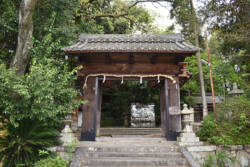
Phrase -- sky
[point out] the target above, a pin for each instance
(161, 13)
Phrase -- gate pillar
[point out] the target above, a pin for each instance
(89, 110)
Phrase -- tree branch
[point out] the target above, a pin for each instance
(126, 12)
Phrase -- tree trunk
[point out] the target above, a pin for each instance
(196, 34)
(25, 30)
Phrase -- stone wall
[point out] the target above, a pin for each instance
(240, 153)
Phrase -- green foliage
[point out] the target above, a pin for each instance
(232, 125)
(8, 29)
(182, 12)
(67, 18)
(229, 22)
(221, 140)
(234, 119)
(56, 16)
(222, 72)
(45, 93)
(50, 161)
(21, 145)
(208, 129)
(220, 159)
(114, 16)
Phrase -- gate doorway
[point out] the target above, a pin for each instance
(169, 106)
(109, 57)
(130, 108)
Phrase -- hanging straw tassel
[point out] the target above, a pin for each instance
(158, 78)
(104, 78)
(122, 80)
(140, 79)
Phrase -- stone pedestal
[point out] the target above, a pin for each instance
(187, 136)
(189, 139)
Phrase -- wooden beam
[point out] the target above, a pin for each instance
(154, 59)
(108, 59)
(124, 68)
(179, 58)
(131, 59)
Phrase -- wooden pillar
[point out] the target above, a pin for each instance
(174, 109)
(99, 109)
(170, 109)
(89, 110)
(162, 108)
(164, 102)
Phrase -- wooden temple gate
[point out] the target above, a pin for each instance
(107, 57)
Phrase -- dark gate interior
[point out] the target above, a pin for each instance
(117, 98)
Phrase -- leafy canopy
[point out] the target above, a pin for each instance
(45, 93)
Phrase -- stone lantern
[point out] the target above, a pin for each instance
(67, 135)
(187, 136)
(68, 140)
(236, 91)
(186, 119)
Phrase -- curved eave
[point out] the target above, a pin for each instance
(130, 51)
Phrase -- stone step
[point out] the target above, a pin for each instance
(133, 149)
(112, 162)
(114, 128)
(188, 139)
(132, 139)
(190, 143)
(130, 152)
(129, 131)
(137, 166)
(169, 155)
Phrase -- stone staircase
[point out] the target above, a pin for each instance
(130, 152)
(150, 132)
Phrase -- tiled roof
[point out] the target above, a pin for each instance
(168, 43)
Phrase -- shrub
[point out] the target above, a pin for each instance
(208, 128)
(21, 145)
(221, 140)
(232, 125)
(46, 92)
(232, 109)
(51, 162)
